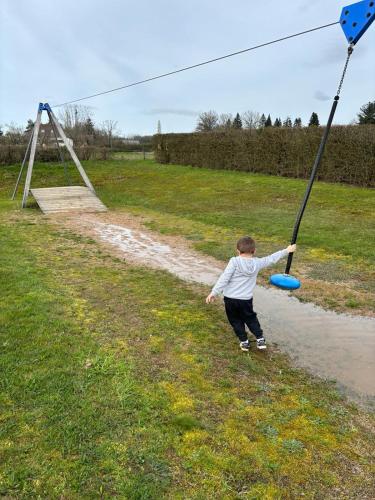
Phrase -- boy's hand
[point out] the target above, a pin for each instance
(291, 248)
(210, 298)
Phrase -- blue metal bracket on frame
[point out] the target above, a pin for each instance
(356, 18)
(44, 107)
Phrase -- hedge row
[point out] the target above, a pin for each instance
(10, 154)
(349, 156)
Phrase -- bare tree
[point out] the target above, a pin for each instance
(74, 115)
(75, 119)
(207, 121)
(110, 128)
(225, 121)
(251, 119)
(14, 134)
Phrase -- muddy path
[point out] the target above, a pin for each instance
(329, 345)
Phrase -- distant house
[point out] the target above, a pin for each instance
(130, 141)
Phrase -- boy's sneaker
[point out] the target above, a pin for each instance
(245, 345)
(261, 343)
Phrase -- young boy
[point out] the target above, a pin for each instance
(238, 282)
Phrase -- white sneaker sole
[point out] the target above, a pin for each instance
(261, 347)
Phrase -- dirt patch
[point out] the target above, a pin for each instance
(330, 345)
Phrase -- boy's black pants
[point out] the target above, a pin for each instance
(241, 313)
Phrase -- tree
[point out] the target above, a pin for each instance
(74, 115)
(367, 114)
(109, 128)
(314, 120)
(14, 133)
(29, 125)
(287, 122)
(1, 132)
(158, 127)
(252, 119)
(74, 119)
(297, 123)
(225, 121)
(277, 122)
(268, 121)
(262, 121)
(207, 121)
(237, 122)
(89, 126)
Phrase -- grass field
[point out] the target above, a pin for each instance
(118, 382)
(213, 208)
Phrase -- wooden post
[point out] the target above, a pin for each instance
(23, 164)
(71, 151)
(31, 159)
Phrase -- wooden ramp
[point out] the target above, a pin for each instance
(67, 199)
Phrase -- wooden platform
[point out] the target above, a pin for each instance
(67, 199)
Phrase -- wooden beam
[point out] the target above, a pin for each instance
(23, 164)
(31, 159)
(81, 170)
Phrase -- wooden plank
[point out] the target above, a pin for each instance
(65, 199)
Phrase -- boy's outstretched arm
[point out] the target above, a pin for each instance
(275, 257)
(221, 282)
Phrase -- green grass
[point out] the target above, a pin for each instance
(213, 208)
(117, 382)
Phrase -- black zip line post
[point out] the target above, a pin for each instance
(355, 20)
(317, 163)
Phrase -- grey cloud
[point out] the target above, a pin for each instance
(321, 96)
(168, 111)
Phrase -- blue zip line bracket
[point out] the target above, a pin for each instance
(356, 19)
(44, 107)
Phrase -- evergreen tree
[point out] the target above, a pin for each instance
(314, 120)
(367, 114)
(287, 122)
(29, 125)
(237, 122)
(268, 121)
(159, 127)
(277, 122)
(297, 123)
(89, 126)
(262, 121)
(1, 132)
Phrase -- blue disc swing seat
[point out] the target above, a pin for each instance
(285, 281)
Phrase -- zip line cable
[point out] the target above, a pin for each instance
(186, 68)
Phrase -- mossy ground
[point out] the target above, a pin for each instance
(118, 382)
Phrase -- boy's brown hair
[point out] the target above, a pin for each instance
(246, 245)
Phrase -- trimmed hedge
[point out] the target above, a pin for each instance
(10, 154)
(349, 156)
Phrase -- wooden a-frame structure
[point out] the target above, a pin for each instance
(59, 199)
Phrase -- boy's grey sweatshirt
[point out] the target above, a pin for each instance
(239, 277)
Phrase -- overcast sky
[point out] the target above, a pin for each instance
(54, 51)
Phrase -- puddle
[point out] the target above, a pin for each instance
(142, 248)
(330, 345)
